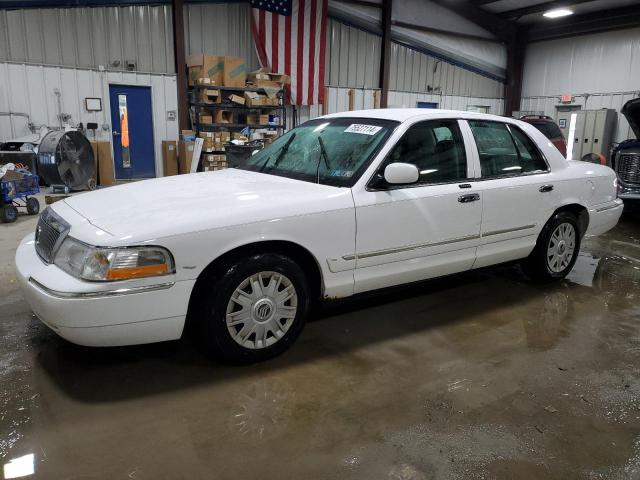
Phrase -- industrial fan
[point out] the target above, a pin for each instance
(66, 159)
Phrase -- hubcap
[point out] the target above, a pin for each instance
(561, 247)
(261, 310)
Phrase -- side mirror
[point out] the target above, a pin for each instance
(401, 173)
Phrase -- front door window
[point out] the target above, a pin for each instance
(436, 148)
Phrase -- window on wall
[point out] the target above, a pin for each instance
(436, 148)
(505, 150)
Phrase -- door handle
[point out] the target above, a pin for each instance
(471, 197)
(465, 185)
(545, 188)
(116, 133)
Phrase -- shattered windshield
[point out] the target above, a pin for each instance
(331, 151)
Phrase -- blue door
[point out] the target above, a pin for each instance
(132, 131)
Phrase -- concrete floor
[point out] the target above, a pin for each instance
(483, 375)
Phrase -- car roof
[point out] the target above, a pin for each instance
(404, 114)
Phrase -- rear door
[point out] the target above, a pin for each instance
(412, 232)
(517, 189)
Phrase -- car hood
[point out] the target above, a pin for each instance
(168, 206)
(631, 111)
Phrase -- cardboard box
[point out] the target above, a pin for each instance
(224, 116)
(104, 170)
(211, 162)
(201, 65)
(264, 78)
(209, 95)
(187, 135)
(170, 157)
(234, 72)
(237, 99)
(205, 118)
(227, 71)
(255, 119)
(253, 99)
(94, 147)
(185, 152)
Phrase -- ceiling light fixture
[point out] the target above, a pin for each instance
(557, 13)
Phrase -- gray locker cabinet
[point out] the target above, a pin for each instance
(578, 135)
(594, 130)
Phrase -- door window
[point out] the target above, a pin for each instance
(505, 150)
(436, 148)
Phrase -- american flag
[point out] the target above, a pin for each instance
(293, 41)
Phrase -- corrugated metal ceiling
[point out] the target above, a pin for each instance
(503, 6)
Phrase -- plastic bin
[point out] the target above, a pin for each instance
(238, 155)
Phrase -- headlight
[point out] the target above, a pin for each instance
(108, 264)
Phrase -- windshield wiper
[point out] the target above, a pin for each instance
(281, 153)
(323, 155)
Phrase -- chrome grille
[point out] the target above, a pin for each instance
(50, 232)
(628, 167)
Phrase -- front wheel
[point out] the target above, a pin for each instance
(33, 206)
(255, 310)
(556, 250)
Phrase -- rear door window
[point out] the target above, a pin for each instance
(505, 150)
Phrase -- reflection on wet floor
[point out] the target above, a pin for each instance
(482, 375)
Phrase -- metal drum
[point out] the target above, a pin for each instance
(66, 158)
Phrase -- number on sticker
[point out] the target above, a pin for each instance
(363, 129)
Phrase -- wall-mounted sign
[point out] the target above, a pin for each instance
(562, 123)
(566, 98)
(93, 104)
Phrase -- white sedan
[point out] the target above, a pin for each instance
(344, 204)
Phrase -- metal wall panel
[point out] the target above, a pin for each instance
(601, 63)
(600, 71)
(495, 106)
(31, 89)
(363, 99)
(413, 71)
(353, 56)
(89, 37)
(220, 29)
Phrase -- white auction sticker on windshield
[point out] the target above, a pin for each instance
(363, 129)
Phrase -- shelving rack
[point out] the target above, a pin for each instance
(198, 107)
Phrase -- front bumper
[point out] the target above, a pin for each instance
(102, 314)
(604, 217)
(628, 193)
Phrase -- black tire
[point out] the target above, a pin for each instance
(537, 265)
(33, 206)
(215, 297)
(9, 213)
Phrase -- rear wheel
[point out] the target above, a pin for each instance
(556, 250)
(9, 213)
(255, 310)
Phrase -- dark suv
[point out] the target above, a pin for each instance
(550, 129)
(625, 158)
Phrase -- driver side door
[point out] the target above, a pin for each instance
(407, 233)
